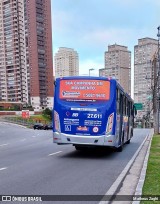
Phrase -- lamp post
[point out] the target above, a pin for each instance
(158, 35)
(90, 70)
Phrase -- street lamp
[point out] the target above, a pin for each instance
(158, 35)
(90, 70)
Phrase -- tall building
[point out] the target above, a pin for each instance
(118, 65)
(26, 67)
(66, 62)
(12, 56)
(143, 54)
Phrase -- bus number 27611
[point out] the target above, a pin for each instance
(91, 115)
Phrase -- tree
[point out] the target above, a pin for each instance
(48, 113)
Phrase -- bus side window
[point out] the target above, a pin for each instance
(132, 110)
(135, 110)
(117, 100)
(120, 103)
(128, 109)
(124, 105)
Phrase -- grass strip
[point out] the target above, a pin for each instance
(152, 181)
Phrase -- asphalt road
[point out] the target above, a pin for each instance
(31, 164)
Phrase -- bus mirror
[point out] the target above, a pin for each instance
(135, 111)
(54, 83)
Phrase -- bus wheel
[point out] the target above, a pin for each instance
(120, 149)
(79, 148)
(128, 142)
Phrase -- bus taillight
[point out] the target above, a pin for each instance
(57, 122)
(110, 124)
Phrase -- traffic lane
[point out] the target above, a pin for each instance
(35, 145)
(23, 143)
(9, 132)
(69, 172)
(15, 136)
(20, 150)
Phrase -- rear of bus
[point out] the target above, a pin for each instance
(84, 111)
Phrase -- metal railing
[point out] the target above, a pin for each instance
(23, 122)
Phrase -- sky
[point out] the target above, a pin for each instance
(89, 26)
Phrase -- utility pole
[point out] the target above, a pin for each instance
(154, 91)
(158, 84)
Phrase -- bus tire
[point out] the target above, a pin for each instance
(78, 148)
(120, 149)
(128, 142)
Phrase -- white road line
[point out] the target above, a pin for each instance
(3, 145)
(3, 168)
(33, 136)
(54, 153)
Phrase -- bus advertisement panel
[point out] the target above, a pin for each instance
(84, 89)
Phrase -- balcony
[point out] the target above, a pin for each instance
(40, 19)
(41, 51)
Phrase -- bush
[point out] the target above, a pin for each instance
(47, 113)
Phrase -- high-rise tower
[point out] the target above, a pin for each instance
(118, 65)
(143, 54)
(66, 62)
(26, 68)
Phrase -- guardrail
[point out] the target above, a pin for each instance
(21, 121)
(18, 121)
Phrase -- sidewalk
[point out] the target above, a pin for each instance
(134, 180)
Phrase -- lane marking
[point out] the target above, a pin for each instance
(3, 168)
(3, 145)
(54, 153)
(33, 136)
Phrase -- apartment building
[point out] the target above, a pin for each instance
(12, 56)
(66, 62)
(118, 65)
(143, 54)
(26, 67)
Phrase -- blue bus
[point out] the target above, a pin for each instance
(92, 111)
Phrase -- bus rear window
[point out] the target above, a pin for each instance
(84, 90)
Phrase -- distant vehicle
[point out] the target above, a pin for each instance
(38, 126)
(92, 111)
(48, 127)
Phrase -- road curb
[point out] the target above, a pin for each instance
(116, 185)
(13, 124)
(140, 184)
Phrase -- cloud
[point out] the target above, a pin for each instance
(122, 36)
(110, 35)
